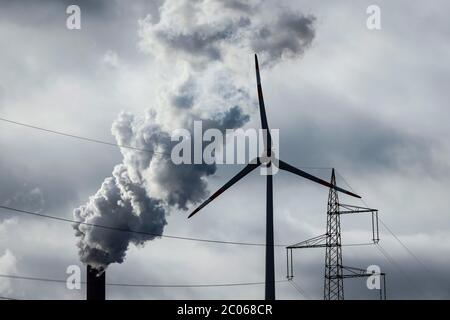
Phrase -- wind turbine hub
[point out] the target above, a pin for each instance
(265, 159)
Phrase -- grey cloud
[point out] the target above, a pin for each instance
(239, 5)
(2, 95)
(29, 199)
(290, 35)
(202, 40)
(244, 27)
(106, 25)
(19, 192)
(374, 144)
(185, 95)
(183, 101)
(24, 189)
(233, 118)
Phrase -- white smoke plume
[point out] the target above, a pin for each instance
(192, 37)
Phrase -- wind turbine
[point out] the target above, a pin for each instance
(266, 160)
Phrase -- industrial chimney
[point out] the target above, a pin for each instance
(95, 288)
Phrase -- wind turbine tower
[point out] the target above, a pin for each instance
(268, 160)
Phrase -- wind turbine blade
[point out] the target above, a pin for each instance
(249, 168)
(287, 167)
(262, 108)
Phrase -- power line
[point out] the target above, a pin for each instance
(391, 260)
(383, 251)
(358, 244)
(133, 231)
(81, 137)
(167, 154)
(405, 275)
(143, 232)
(408, 250)
(203, 285)
(299, 289)
(404, 245)
(93, 140)
(389, 230)
(423, 265)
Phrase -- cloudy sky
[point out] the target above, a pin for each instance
(370, 103)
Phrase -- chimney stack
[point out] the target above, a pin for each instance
(95, 288)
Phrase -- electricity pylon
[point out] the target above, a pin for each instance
(335, 271)
(334, 283)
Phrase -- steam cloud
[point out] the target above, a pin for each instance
(191, 36)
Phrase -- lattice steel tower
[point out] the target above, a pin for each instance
(334, 282)
(335, 271)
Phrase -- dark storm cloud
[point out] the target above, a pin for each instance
(359, 141)
(24, 189)
(105, 25)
